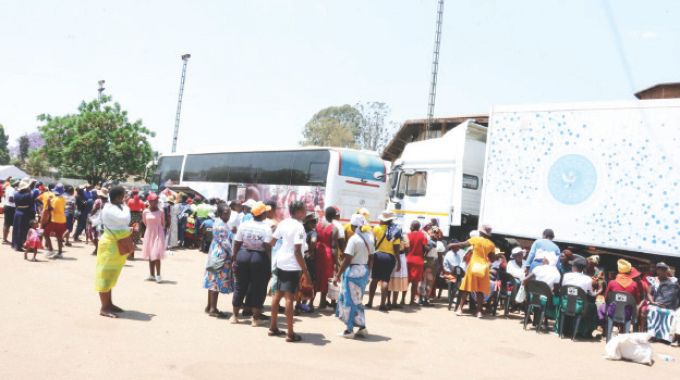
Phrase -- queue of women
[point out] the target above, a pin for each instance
(313, 255)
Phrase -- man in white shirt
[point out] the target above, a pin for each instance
(515, 267)
(290, 263)
(576, 276)
(547, 272)
(8, 209)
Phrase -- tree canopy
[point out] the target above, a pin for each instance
(4, 149)
(363, 126)
(98, 143)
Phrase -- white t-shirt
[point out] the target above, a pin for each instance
(9, 193)
(580, 280)
(548, 274)
(516, 271)
(234, 220)
(360, 248)
(291, 233)
(341, 229)
(254, 235)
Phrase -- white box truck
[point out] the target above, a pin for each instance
(604, 175)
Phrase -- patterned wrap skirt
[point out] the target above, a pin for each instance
(109, 261)
(350, 308)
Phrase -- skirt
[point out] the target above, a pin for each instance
(399, 279)
(221, 281)
(383, 265)
(109, 261)
(350, 308)
(659, 323)
(153, 247)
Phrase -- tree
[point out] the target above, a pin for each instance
(333, 126)
(24, 146)
(98, 143)
(37, 163)
(375, 131)
(4, 149)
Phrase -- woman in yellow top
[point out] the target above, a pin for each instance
(477, 278)
(115, 219)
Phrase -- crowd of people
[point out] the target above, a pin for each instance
(312, 261)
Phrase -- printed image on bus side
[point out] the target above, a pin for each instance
(320, 177)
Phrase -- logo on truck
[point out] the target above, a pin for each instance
(572, 179)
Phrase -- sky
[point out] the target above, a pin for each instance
(260, 69)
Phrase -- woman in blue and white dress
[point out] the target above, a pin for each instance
(355, 270)
(219, 277)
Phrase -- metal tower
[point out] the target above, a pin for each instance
(185, 60)
(435, 68)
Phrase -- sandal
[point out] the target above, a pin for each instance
(293, 338)
(218, 314)
(108, 314)
(276, 332)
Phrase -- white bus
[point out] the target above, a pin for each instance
(320, 177)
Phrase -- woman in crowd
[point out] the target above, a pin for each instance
(477, 279)
(252, 254)
(82, 206)
(137, 207)
(290, 264)
(625, 282)
(95, 219)
(70, 212)
(399, 280)
(596, 274)
(417, 241)
(327, 244)
(388, 246)
(56, 221)
(153, 248)
(432, 265)
(183, 212)
(173, 237)
(110, 261)
(663, 300)
(354, 271)
(306, 294)
(24, 214)
(218, 270)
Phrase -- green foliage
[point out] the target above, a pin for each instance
(98, 143)
(37, 163)
(24, 146)
(333, 126)
(375, 131)
(4, 149)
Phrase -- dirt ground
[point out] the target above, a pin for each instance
(50, 329)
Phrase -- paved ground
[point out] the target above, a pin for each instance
(50, 328)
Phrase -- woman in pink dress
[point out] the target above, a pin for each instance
(153, 248)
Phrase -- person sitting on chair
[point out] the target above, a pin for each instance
(547, 272)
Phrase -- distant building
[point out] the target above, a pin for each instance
(415, 130)
(660, 91)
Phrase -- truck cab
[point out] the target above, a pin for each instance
(439, 181)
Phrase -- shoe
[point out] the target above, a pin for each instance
(347, 334)
(361, 333)
(247, 313)
(150, 278)
(233, 320)
(675, 344)
(159, 279)
(256, 322)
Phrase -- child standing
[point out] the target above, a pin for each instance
(33, 240)
(153, 248)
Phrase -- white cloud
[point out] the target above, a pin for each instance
(649, 34)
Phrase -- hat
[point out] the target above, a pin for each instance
(152, 197)
(662, 265)
(517, 251)
(14, 181)
(624, 266)
(386, 216)
(474, 233)
(23, 185)
(310, 217)
(578, 261)
(485, 230)
(363, 211)
(259, 208)
(250, 203)
(59, 189)
(357, 220)
(595, 259)
(104, 193)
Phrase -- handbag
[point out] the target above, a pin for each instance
(125, 245)
(215, 264)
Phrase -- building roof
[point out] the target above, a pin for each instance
(660, 88)
(411, 130)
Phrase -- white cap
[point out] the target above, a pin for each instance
(440, 247)
(517, 250)
(250, 203)
(357, 220)
(474, 233)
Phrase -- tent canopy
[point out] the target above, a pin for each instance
(11, 171)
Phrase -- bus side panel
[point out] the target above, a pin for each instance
(350, 193)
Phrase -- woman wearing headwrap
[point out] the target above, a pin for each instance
(625, 282)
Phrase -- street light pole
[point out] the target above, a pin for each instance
(185, 60)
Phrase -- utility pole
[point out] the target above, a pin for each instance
(185, 60)
(101, 89)
(435, 68)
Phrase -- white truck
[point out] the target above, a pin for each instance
(603, 175)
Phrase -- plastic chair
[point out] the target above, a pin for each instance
(572, 294)
(505, 294)
(621, 301)
(458, 273)
(535, 290)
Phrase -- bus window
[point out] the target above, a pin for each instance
(169, 169)
(310, 168)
